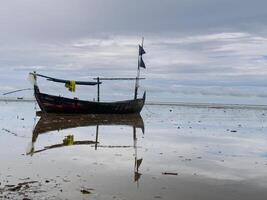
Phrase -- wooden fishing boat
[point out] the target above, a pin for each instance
(57, 104)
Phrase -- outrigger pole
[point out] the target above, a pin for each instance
(140, 64)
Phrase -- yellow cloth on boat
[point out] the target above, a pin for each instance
(68, 140)
(71, 86)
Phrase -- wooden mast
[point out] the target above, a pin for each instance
(98, 90)
(138, 72)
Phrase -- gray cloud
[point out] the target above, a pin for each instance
(202, 57)
(60, 19)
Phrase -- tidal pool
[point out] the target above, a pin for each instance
(169, 152)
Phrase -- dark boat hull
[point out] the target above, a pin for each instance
(56, 104)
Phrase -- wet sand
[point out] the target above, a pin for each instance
(184, 153)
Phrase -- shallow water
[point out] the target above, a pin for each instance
(184, 153)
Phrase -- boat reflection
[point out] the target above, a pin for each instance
(54, 122)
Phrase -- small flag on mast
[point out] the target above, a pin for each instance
(141, 63)
(138, 163)
(141, 50)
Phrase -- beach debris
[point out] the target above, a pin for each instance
(86, 191)
(14, 189)
(10, 185)
(28, 182)
(188, 159)
(157, 197)
(24, 190)
(19, 186)
(170, 173)
(65, 180)
(233, 131)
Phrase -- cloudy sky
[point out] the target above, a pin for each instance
(197, 51)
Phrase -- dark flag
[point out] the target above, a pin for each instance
(142, 64)
(141, 51)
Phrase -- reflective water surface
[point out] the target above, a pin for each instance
(167, 152)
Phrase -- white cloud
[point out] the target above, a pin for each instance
(223, 60)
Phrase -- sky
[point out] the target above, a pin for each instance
(212, 51)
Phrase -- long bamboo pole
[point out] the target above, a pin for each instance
(116, 79)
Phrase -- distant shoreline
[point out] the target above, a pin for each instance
(185, 104)
(209, 105)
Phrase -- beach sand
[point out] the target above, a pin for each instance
(185, 152)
